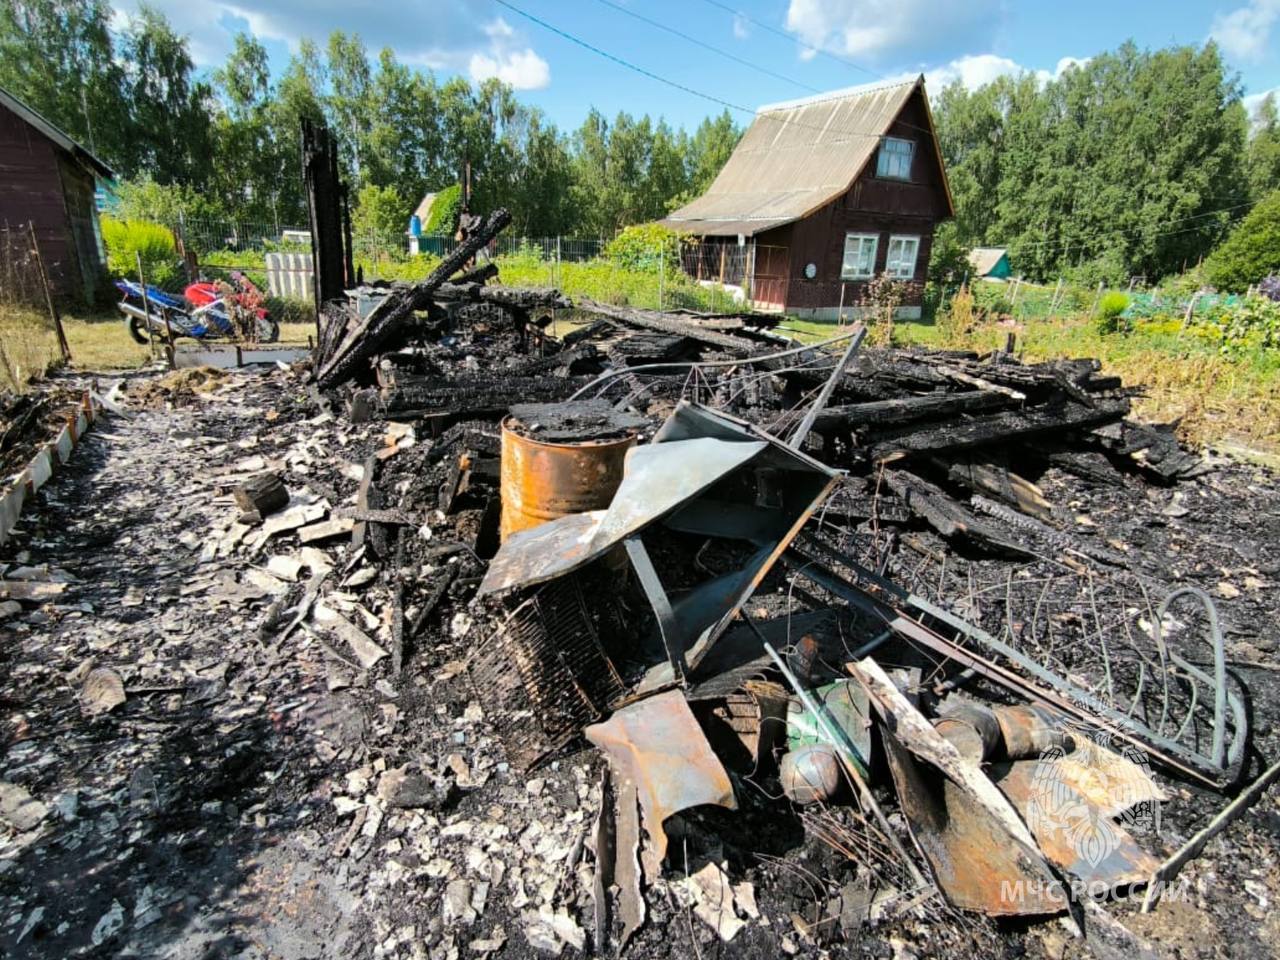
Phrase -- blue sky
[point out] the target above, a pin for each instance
(799, 46)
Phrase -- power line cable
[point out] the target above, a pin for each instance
(683, 88)
(706, 46)
(794, 39)
(1068, 245)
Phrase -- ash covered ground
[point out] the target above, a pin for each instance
(263, 794)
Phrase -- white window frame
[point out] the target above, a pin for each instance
(890, 163)
(896, 267)
(847, 273)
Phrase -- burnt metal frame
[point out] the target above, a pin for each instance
(1064, 695)
(672, 636)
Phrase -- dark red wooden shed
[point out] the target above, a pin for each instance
(48, 179)
(823, 194)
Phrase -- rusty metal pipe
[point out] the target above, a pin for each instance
(543, 481)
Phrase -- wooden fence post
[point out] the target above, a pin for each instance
(63, 346)
(146, 308)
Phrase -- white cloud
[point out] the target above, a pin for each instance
(1254, 100)
(881, 28)
(1245, 33)
(445, 35)
(976, 70)
(741, 28)
(521, 69)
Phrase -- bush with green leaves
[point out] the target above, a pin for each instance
(645, 246)
(125, 240)
(1251, 251)
(1111, 308)
(144, 199)
(443, 218)
(1251, 323)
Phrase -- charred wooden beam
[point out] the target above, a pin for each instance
(997, 428)
(481, 274)
(324, 208)
(929, 406)
(523, 298)
(592, 329)
(261, 494)
(947, 516)
(394, 311)
(478, 396)
(673, 324)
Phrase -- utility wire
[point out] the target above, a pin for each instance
(706, 46)
(686, 89)
(1071, 244)
(794, 39)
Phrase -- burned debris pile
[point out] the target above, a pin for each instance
(852, 595)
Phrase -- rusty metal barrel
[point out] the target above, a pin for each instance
(542, 481)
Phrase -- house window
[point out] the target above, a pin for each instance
(895, 158)
(901, 261)
(859, 256)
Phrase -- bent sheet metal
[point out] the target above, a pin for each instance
(705, 473)
(657, 745)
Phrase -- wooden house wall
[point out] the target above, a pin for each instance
(872, 205)
(36, 182)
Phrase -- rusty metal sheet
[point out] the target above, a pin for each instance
(657, 745)
(627, 864)
(982, 854)
(658, 478)
(1110, 781)
(1075, 833)
(975, 862)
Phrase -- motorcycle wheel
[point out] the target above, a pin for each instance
(137, 330)
(268, 330)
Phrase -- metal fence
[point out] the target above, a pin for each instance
(709, 275)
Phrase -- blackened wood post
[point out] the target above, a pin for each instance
(48, 295)
(324, 210)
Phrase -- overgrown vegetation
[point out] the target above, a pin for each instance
(444, 212)
(1251, 252)
(1134, 163)
(126, 240)
(645, 247)
(1111, 308)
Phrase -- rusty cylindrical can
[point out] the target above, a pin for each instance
(543, 481)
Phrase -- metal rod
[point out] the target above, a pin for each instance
(63, 346)
(698, 364)
(1191, 849)
(668, 626)
(802, 431)
(146, 304)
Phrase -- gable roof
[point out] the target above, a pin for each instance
(423, 210)
(47, 128)
(797, 156)
(984, 259)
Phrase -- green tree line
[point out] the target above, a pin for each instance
(226, 143)
(1135, 163)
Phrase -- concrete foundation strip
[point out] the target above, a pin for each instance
(45, 464)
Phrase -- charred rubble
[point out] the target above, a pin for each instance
(820, 586)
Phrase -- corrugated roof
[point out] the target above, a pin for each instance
(53, 133)
(795, 157)
(984, 259)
